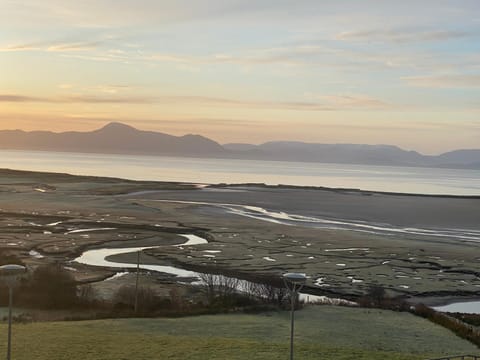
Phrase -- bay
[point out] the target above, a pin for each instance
(416, 180)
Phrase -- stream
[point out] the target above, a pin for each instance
(98, 257)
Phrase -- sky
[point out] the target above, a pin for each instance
(405, 73)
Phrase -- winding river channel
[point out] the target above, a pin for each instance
(98, 257)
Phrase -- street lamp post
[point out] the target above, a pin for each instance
(10, 274)
(294, 283)
(135, 307)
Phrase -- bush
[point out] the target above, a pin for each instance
(375, 297)
(8, 258)
(124, 298)
(49, 287)
(456, 326)
(5, 259)
(86, 295)
(472, 319)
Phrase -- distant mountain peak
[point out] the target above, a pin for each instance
(117, 126)
(119, 138)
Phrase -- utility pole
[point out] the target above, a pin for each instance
(136, 283)
(294, 283)
(10, 304)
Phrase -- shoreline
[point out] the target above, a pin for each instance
(340, 190)
(224, 156)
(199, 186)
(432, 301)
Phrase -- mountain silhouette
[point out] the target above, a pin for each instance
(114, 138)
(354, 154)
(118, 138)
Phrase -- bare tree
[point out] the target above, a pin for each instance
(210, 285)
(219, 287)
(86, 294)
(146, 297)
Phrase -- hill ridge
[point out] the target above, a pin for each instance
(119, 138)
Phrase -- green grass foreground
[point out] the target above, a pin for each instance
(322, 332)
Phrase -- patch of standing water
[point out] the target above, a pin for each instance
(35, 254)
(192, 240)
(76, 231)
(97, 257)
(469, 307)
(117, 275)
(347, 249)
(267, 258)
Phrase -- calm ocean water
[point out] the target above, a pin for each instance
(198, 170)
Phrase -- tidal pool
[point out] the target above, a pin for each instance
(467, 307)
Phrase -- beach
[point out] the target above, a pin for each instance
(345, 240)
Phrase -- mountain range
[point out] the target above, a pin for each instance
(117, 138)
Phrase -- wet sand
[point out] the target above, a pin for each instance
(61, 216)
(396, 209)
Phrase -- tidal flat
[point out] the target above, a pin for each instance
(345, 240)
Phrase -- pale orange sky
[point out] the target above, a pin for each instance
(234, 71)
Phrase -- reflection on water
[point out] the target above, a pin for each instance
(97, 257)
(198, 170)
(469, 307)
(284, 218)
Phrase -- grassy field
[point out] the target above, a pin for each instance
(323, 332)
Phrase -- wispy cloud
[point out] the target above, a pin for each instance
(445, 81)
(110, 89)
(53, 46)
(401, 36)
(79, 99)
(317, 55)
(107, 99)
(224, 102)
(74, 46)
(20, 47)
(287, 55)
(300, 53)
(19, 98)
(352, 101)
(322, 103)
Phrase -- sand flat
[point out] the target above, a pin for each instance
(411, 245)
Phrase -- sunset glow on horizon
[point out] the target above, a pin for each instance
(374, 72)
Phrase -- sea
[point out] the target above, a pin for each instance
(417, 180)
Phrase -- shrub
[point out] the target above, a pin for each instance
(456, 326)
(49, 287)
(124, 298)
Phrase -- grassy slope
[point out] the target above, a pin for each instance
(322, 332)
